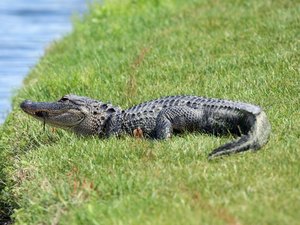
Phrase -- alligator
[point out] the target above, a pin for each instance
(159, 119)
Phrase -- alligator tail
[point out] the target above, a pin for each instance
(254, 139)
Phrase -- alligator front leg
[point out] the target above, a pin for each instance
(113, 127)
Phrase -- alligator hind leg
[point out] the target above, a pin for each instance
(179, 118)
(164, 128)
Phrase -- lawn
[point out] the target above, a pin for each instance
(126, 52)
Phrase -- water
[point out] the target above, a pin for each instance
(26, 28)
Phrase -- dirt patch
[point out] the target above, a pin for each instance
(218, 212)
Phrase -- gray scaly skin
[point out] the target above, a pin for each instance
(159, 119)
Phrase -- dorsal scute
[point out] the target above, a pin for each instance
(195, 101)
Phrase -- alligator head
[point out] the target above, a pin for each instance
(83, 115)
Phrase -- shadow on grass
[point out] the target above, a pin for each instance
(6, 211)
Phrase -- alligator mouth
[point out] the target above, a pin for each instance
(41, 114)
(56, 114)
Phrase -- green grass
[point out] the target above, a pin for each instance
(127, 52)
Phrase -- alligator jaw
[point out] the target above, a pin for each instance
(55, 113)
(36, 109)
(28, 107)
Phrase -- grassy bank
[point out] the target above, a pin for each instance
(134, 51)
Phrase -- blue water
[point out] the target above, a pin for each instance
(26, 29)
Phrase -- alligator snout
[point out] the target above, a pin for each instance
(33, 108)
(25, 104)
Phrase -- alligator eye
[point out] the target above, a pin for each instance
(64, 99)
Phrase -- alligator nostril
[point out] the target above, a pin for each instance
(25, 104)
